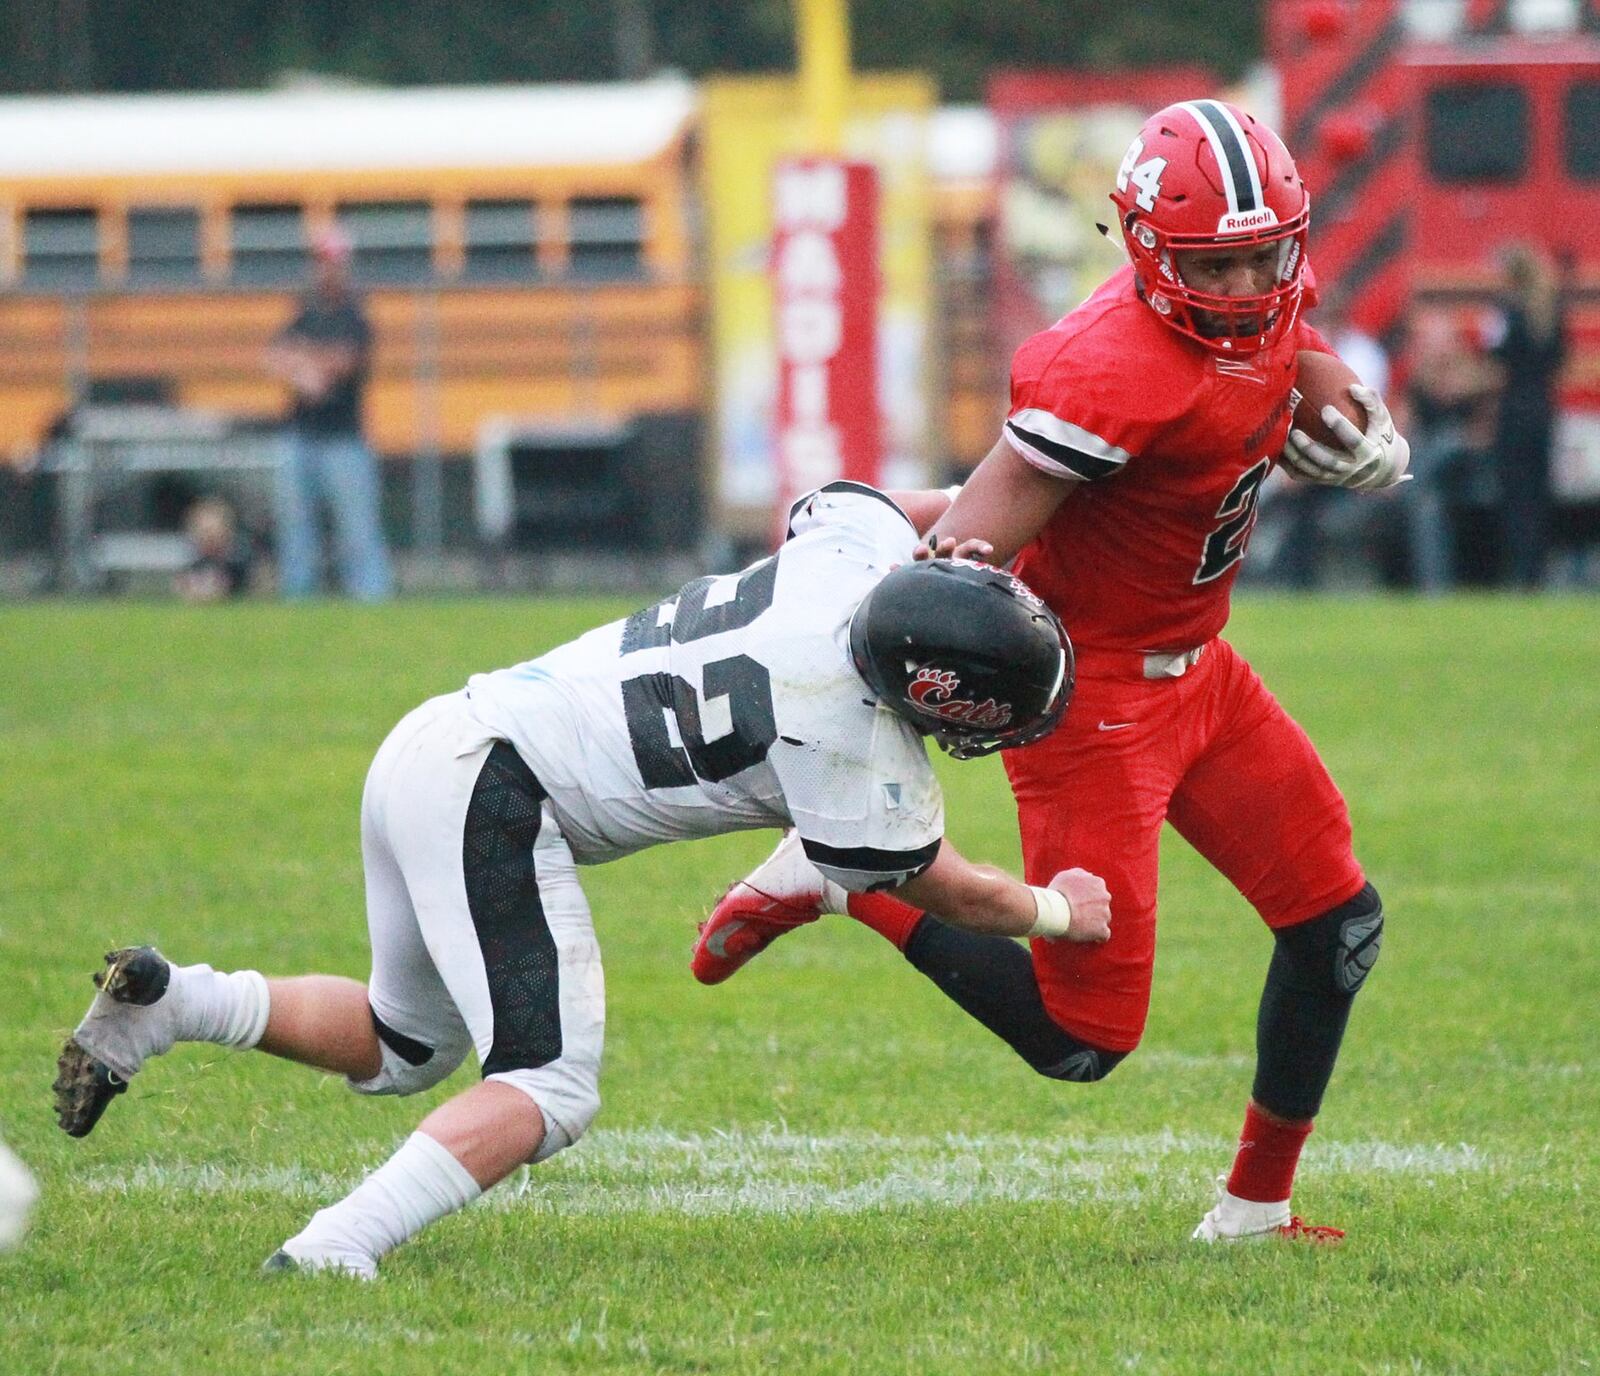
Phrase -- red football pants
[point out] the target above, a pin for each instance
(1214, 754)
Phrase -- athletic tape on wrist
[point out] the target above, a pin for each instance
(1052, 913)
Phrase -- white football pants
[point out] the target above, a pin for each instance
(481, 935)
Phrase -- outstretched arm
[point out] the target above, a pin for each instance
(923, 506)
(1003, 505)
(982, 898)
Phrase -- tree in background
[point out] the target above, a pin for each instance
(136, 45)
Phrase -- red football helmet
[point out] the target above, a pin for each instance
(1205, 175)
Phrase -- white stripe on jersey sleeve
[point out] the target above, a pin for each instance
(1060, 448)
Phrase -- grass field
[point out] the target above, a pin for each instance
(820, 1166)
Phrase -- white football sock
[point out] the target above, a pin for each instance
(230, 1009)
(419, 1183)
(1243, 1216)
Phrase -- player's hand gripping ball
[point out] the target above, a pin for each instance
(1343, 435)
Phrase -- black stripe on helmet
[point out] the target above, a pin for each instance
(1235, 154)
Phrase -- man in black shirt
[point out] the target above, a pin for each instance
(1530, 346)
(323, 354)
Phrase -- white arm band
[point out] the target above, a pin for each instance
(1052, 913)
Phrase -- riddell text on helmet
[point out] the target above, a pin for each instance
(1243, 220)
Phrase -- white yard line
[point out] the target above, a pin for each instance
(771, 1170)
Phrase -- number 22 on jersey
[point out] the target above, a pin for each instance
(1225, 545)
(744, 682)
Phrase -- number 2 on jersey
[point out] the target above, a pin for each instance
(1225, 545)
(743, 681)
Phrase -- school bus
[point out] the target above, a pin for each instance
(524, 252)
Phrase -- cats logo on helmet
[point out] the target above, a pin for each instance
(932, 691)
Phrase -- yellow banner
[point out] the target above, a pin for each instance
(749, 125)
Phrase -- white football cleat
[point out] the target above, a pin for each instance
(1233, 1219)
(307, 1261)
(132, 1018)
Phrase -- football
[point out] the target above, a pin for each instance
(1323, 380)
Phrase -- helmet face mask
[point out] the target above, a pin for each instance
(966, 653)
(1205, 178)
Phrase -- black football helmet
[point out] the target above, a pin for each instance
(966, 653)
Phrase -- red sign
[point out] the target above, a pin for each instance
(825, 287)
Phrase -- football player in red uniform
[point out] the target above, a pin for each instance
(1124, 485)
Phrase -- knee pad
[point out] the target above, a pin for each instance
(400, 1076)
(1084, 1066)
(409, 1066)
(567, 1107)
(1337, 950)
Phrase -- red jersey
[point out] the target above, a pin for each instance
(1172, 443)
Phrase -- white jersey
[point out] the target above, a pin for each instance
(733, 705)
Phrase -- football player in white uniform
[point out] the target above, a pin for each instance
(742, 701)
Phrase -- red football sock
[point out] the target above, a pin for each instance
(890, 918)
(1269, 1150)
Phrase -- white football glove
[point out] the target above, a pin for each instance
(1367, 462)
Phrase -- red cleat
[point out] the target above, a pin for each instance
(1298, 1230)
(780, 894)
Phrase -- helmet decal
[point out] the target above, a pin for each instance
(1240, 177)
(1243, 221)
(1022, 590)
(932, 691)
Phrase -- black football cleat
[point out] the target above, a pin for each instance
(114, 1038)
(84, 1088)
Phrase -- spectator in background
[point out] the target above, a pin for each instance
(1529, 342)
(1367, 358)
(224, 556)
(1448, 385)
(323, 355)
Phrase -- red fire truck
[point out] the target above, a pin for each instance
(1435, 133)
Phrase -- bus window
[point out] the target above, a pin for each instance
(606, 237)
(1476, 131)
(393, 240)
(269, 245)
(1583, 130)
(163, 245)
(61, 248)
(499, 238)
